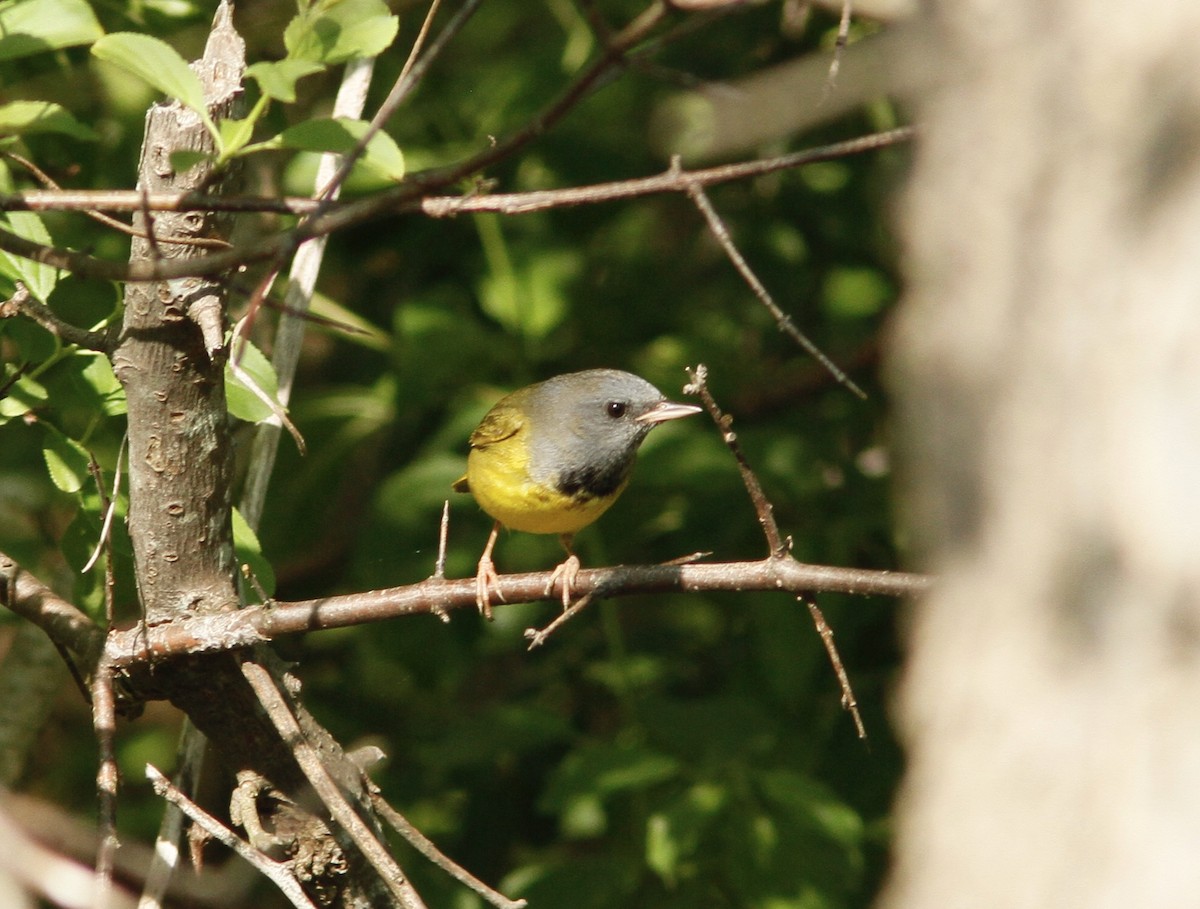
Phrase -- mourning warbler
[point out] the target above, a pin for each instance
(552, 458)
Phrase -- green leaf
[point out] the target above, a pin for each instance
(236, 133)
(249, 552)
(66, 460)
(341, 31)
(29, 117)
(673, 836)
(39, 279)
(157, 64)
(605, 769)
(278, 79)
(527, 298)
(856, 292)
(103, 383)
(811, 805)
(23, 396)
(35, 26)
(185, 159)
(241, 400)
(340, 136)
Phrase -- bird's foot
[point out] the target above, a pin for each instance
(486, 582)
(566, 573)
(486, 578)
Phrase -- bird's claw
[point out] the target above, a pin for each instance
(566, 573)
(486, 580)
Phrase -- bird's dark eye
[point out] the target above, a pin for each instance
(615, 409)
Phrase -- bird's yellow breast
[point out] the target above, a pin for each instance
(498, 474)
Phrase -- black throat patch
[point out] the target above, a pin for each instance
(593, 481)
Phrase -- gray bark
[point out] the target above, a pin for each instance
(170, 359)
(1046, 368)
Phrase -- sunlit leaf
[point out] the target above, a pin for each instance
(341, 31)
(156, 63)
(340, 136)
(278, 79)
(249, 552)
(39, 279)
(243, 402)
(21, 397)
(28, 117)
(66, 460)
(36, 26)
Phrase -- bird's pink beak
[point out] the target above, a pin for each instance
(666, 410)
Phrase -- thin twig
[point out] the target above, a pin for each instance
(410, 77)
(425, 846)
(22, 302)
(784, 321)
(327, 789)
(276, 872)
(405, 198)
(776, 545)
(537, 637)
(100, 218)
(839, 49)
(848, 700)
(104, 722)
(190, 761)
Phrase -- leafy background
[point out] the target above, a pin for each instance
(658, 751)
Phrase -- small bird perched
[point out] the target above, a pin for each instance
(552, 458)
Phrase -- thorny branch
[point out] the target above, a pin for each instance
(763, 508)
(778, 547)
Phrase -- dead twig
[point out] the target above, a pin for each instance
(425, 846)
(276, 872)
(784, 321)
(327, 789)
(104, 722)
(776, 545)
(849, 702)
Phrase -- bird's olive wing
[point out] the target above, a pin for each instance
(500, 423)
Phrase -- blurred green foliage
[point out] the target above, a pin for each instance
(672, 751)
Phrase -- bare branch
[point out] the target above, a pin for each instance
(775, 543)
(66, 625)
(327, 789)
(258, 624)
(104, 722)
(782, 319)
(425, 846)
(403, 199)
(848, 700)
(23, 303)
(277, 873)
(406, 198)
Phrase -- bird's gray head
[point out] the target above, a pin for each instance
(587, 427)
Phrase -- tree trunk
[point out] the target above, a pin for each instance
(1046, 367)
(170, 359)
